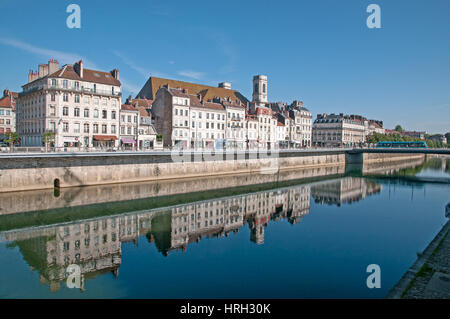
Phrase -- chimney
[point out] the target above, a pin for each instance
(78, 67)
(53, 66)
(5, 92)
(42, 70)
(225, 85)
(115, 74)
(32, 76)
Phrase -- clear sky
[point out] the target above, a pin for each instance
(317, 51)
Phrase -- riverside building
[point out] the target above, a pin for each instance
(81, 106)
(7, 113)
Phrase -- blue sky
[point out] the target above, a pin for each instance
(319, 51)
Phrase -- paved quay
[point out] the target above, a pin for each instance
(429, 276)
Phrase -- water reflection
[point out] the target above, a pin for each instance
(346, 190)
(95, 244)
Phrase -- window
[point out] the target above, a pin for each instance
(86, 100)
(86, 128)
(65, 97)
(113, 115)
(76, 128)
(113, 129)
(104, 128)
(65, 84)
(65, 127)
(77, 85)
(104, 114)
(65, 111)
(76, 112)
(53, 82)
(96, 113)
(52, 126)
(77, 98)
(128, 130)
(122, 130)
(53, 97)
(129, 118)
(104, 102)
(95, 128)
(86, 112)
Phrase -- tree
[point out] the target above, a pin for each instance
(398, 128)
(12, 138)
(48, 138)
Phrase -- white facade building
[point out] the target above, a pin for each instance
(81, 106)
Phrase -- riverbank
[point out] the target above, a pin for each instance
(34, 172)
(429, 276)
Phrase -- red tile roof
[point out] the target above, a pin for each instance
(6, 102)
(68, 72)
(207, 92)
(127, 107)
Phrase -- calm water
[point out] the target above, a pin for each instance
(306, 240)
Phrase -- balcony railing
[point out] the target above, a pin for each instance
(71, 89)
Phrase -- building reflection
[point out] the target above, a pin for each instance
(346, 190)
(95, 244)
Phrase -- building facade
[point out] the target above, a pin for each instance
(338, 130)
(8, 113)
(81, 106)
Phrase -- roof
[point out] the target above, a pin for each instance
(141, 102)
(68, 72)
(126, 107)
(144, 112)
(207, 92)
(195, 102)
(6, 102)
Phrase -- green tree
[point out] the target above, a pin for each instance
(12, 138)
(398, 128)
(48, 138)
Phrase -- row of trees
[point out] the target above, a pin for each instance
(377, 137)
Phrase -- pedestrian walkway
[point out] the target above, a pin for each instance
(429, 276)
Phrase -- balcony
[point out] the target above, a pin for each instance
(71, 89)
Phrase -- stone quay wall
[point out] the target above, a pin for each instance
(20, 173)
